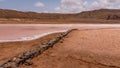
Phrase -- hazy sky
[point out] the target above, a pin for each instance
(61, 6)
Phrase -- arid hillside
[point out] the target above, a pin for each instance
(95, 16)
(101, 14)
(5, 13)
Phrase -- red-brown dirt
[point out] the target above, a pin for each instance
(10, 49)
(83, 49)
(98, 48)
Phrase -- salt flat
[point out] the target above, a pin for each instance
(22, 32)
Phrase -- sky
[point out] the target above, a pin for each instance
(59, 6)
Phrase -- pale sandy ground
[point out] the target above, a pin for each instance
(83, 49)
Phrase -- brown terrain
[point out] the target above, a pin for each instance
(96, 48)
(95, 16)
(10, 49)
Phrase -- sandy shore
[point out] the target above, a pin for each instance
(88, 47)
(10, 49)
(83, 49)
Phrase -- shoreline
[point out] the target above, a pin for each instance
(34, 37)
(59, 24)
(10, 49)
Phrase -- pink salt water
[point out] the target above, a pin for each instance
(21, 32)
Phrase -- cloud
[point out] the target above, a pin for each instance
(76, 6)
(39, 4)
(45, 11)
(110, 4)
(71, 6)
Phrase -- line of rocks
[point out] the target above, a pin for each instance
(26, 57)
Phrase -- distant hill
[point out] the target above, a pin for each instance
(108, 14)
(85, 16)
(5, 13)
